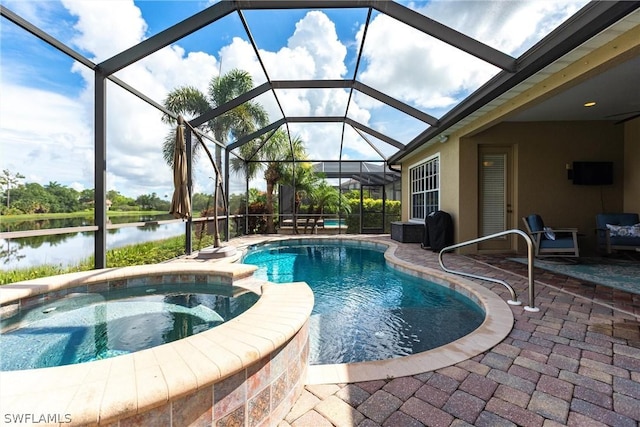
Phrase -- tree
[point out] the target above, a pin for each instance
(276, 155)
(9, 180)
(32, 198)
(64, 199)
(323, 196)
(119, 201)
(201, 202)
(151, 202)
(190, 102)
(237, 122)
(87, 196)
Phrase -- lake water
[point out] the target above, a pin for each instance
(68, 249)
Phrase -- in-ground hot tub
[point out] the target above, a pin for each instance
(251, 368)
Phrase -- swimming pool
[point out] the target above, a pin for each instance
(364, 309)
(334, 222)
(82, 327)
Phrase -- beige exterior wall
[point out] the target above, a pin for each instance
(543, 151)
(449, 176)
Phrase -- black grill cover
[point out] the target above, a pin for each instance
(438, 231)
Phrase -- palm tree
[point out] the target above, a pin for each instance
(275, 156)
(304, 179)
(191, 102)
(323, 196)
(243, 119)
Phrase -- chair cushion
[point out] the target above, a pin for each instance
(624, 230)
(562, 243)
(535, 222)
(625, 241)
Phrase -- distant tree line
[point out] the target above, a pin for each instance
(33, 198)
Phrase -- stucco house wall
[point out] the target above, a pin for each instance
(541, 152)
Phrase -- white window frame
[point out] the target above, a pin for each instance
(424, 180)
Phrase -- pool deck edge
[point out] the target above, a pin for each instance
(497, 324)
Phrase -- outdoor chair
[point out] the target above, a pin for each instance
(551, 242)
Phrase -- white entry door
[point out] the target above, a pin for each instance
(495, 191)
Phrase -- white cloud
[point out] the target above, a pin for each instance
(509, 26)
(415, 68)
(316, 34)
(53, 137)
(312, 52)
(105, 27)
(422, 71)
(55, 134)
(44, 140)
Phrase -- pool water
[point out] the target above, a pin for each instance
(82, 327)
(330, 222)
(364, 309)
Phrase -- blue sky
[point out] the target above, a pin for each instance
(46, 118)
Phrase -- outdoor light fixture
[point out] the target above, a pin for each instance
(444, 138)
(590, 104)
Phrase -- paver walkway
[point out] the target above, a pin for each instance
(575, 362)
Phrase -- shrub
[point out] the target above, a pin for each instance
(370, 220)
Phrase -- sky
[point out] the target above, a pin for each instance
(46, 101)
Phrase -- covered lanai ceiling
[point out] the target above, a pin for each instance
(380, 89)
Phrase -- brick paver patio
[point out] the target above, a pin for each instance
(575, 362)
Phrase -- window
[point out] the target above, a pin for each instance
(425, 188)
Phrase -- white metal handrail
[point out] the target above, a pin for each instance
(514, 299)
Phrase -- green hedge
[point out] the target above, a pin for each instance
(392, 213)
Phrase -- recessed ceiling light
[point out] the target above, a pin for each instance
(590, 104)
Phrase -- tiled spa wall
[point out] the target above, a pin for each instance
(258, 396)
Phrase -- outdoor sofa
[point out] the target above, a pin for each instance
(618, 231)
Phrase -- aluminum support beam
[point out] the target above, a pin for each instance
(361, 87)
(227, 167)
(227, 106)
(188, 244)
(312, 119)
(340, 119)
(297, 4)
(386, 99)
(375, 133)
(447, 35)
(142, 96)
(166, 37)
(311, 84)
(100, 171)
(363, 136)
(315, 119)
(29, 27)
(240, 142)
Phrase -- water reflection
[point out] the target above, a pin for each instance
(70, 248)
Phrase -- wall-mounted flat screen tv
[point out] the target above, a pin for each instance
(593, 173)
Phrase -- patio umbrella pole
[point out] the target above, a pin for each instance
(218, 187)
(216, 232)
